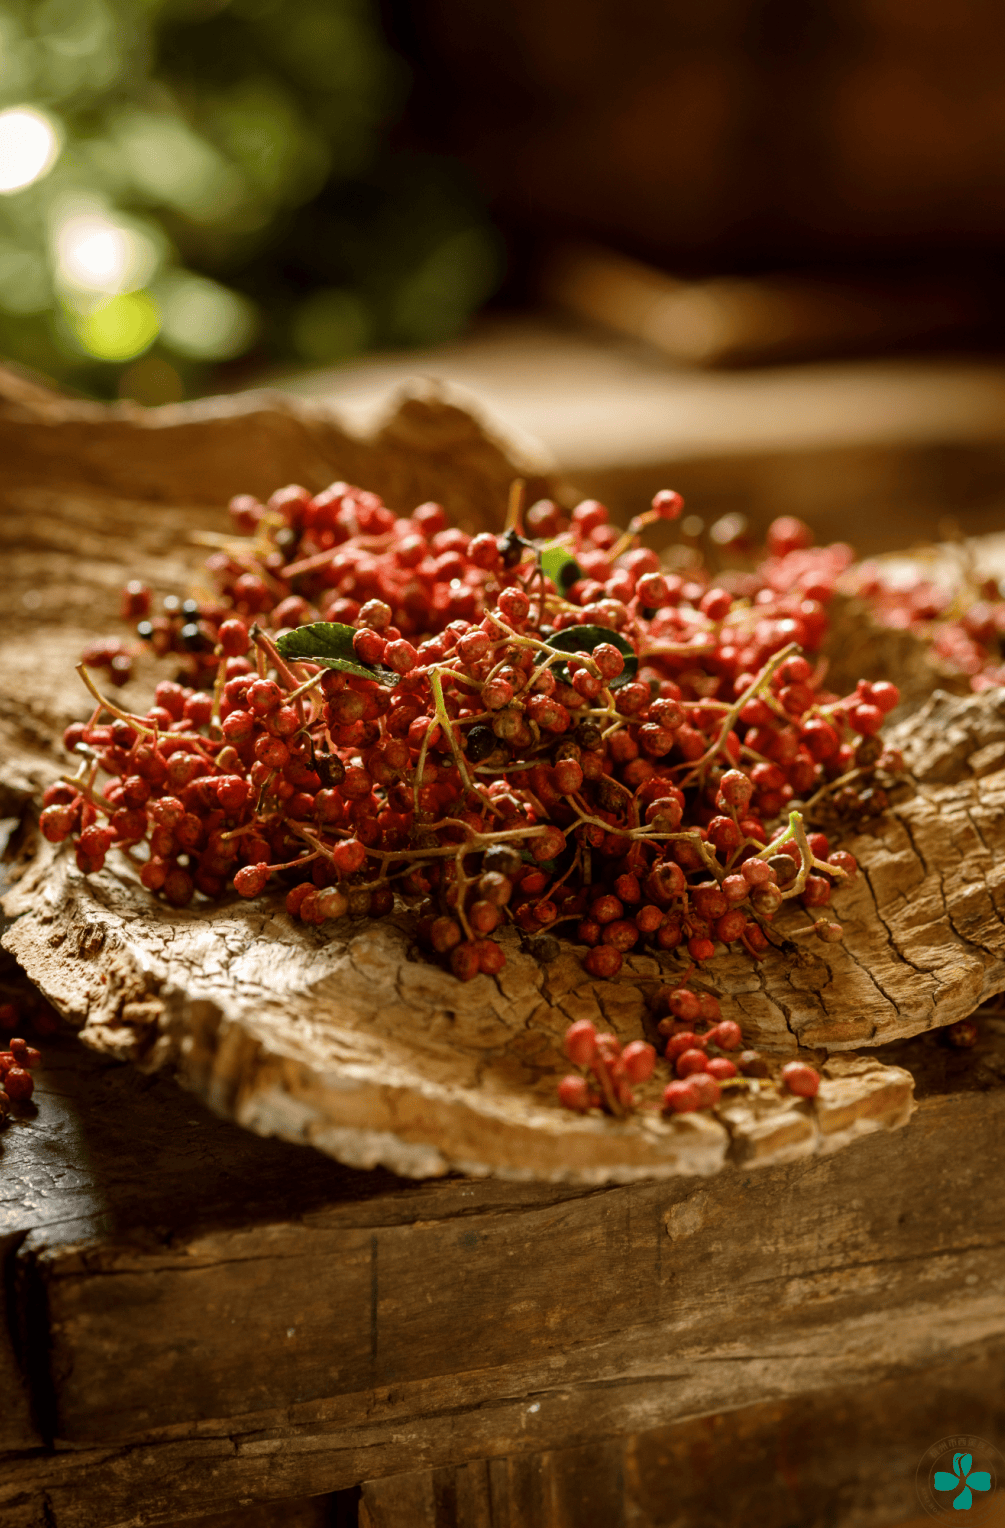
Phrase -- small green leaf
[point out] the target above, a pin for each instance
(561, 567)
(329, 644)
(583, 639)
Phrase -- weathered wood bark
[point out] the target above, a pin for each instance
(353, 1044)
(204, 1318)
(357, 1046)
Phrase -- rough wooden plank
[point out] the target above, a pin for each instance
(837, 1459)
(319, 1323)
(510, 1318)
(18, 1428)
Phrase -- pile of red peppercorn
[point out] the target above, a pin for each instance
(961, 619)
(16, 1065)
(540, 728)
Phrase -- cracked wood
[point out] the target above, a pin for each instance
(351, 1043)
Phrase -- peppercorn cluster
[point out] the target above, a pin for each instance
(540, 728)
(961, 618)
(697, 1039)
(16, 1065)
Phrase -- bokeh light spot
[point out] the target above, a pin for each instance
(95, 254)
(121, 328)
(203, 320)
(29, 147)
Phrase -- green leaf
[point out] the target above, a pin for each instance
(561, 567)
(329, 644)
(583, 639)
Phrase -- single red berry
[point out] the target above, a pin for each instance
(816, 892)
(568, 776)
(401, 656)
(483, 550)
(668, 504)
(639, 1060)
(513, 605)
(685, 1041)
(716, 604)
(707, 1089)
(609, 659)
(801, 1079)
(842, 860)
(604, 962)
(368, 645)
(57, 822)
(19, 1084)
(691, 1060)
(726, 1035)
(580, 1042)
(233, 637)
(574, 1093)
(295, 898)
(680, 1097)
(720, 1068)
(866, 720)
(464, 962)
(819, 738)
(649, 918)
(251, 880)
(330, 903)
(491, 956)
(884, 695)
(264, 696)
(787, 534)
(730, 926)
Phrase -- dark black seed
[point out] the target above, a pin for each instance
(479, 743)
(192, 637)
(502, 858)
(329, 769)
(545, 948)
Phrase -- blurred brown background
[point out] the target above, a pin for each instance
(732, 135)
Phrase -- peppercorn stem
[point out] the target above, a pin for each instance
(514, 507)
(750, 693)
(833, 785)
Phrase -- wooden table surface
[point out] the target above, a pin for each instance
(199, 1319)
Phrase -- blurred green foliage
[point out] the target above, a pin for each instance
(191, 182)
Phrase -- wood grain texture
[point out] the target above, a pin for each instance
(837, 1459)
(504, 1332)
(363, 1050)
(163, 1257)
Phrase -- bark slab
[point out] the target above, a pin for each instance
(352, 1043)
